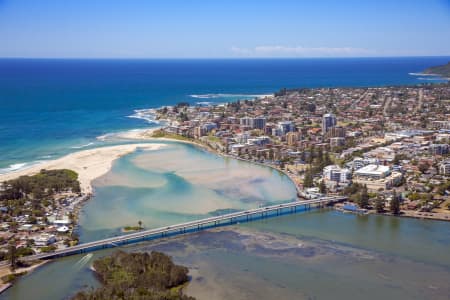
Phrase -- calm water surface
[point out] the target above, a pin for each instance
(175, 184)
(256, 261)
(317, 254)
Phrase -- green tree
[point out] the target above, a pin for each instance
(12, 255)
(320, 156)
(323, 187)
(308, 179)
(379, 204)
(37, 192)
(311, 154)
(184, 117)
(364, 198)
(71, 217)
(423, 167)
(395, 204)
(413, 196)
(140, 224)
(138, 276)
(443, 187)
(271, 154)
(326, 159)
(398, 158)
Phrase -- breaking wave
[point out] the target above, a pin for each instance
(430, 78)
(146, 115)
(82, 146)
(203, 103)
(18, 166)
(421, 74)
(215, 96)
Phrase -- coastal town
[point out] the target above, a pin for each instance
(39, 212)
(387, 148)
(215, 150)
(40, 205)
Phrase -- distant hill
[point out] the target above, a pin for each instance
(443, 70)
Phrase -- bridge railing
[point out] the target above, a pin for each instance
(178, 228)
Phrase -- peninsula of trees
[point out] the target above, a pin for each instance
(38, 212)
(138, 276)
(40, 186)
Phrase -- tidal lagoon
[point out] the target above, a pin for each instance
(290, 257)
(266, 260)
(175, 184)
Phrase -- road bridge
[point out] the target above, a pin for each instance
(192, 226)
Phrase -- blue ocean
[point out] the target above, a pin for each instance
(49, 108)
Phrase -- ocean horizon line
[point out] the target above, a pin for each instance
(101, 95)
(226, 58)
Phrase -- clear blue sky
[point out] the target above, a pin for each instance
(226, 28)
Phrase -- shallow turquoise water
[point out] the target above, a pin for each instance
(317, 254)
(175, 184)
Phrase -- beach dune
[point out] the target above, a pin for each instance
(89, 164)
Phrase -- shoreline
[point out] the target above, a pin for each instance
(146, 134)
(414, 215)
(405, 214)
(114, 152)
(5, 270)
(89, 164)
(102, 158)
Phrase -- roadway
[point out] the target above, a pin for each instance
(231, 218)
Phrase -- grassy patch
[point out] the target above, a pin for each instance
(10, 278)
(163, 134)
(131, 228)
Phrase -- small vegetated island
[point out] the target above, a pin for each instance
(151, 276)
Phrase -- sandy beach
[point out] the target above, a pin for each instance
(6, 270)
(135, 134)
(89, 164)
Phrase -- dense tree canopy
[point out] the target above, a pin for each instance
(39, 186)
(138, 276)
(395, 204)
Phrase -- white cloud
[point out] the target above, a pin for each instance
(300, 51)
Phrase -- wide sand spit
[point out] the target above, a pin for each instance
(89, 164)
